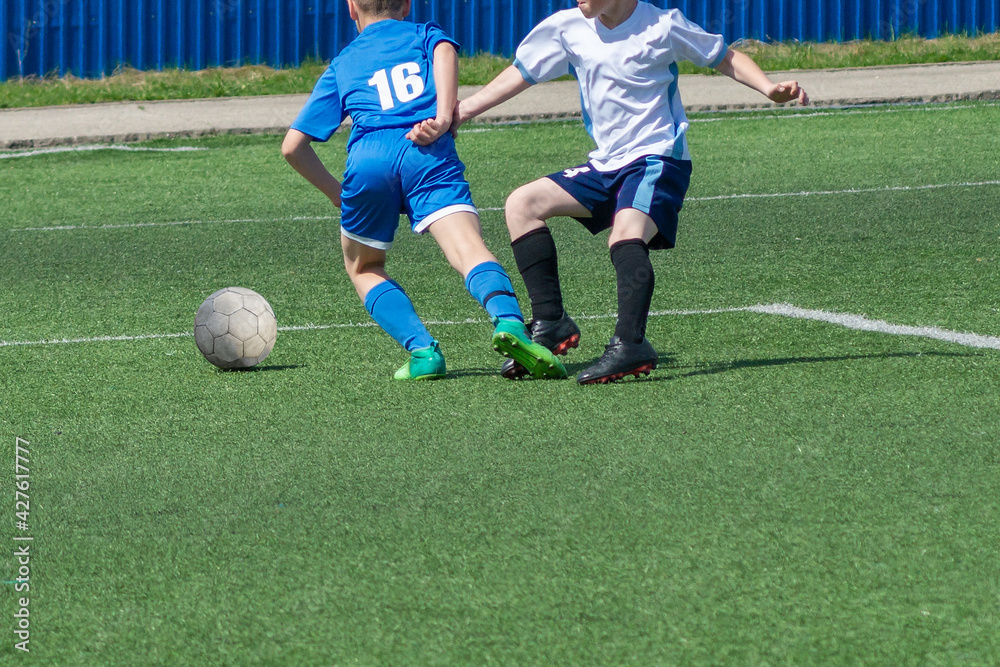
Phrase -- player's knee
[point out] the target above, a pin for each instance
(357, 264)
(518, 202)
(288, 147)
(525, 207)
(350, 265)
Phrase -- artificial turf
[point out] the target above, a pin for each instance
(778, 491)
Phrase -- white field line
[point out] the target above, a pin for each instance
(818, 193)
(850, 191)
(846, 320)
(90, 148)
(837, 111)
(763, 114)
(94, 339)
(764, 195)
(175, 223)
(862, 323)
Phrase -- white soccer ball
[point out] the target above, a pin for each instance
(235, 328)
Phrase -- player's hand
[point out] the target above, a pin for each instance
(789, 91)
(426, 132)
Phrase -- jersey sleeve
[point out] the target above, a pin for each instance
(542, 56)
(434, 34)
(690, 42)
(324, 110)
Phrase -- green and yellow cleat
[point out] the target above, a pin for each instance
(426, 363)
(511, 339)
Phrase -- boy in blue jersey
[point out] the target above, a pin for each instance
(394, 75)
(623, 53)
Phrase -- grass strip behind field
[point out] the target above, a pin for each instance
(133, 85)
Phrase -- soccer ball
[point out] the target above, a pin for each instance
(235, 328)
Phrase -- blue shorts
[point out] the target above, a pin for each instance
(654, 184)
(388, 175)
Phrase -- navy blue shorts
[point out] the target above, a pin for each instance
(387, 174)
(654, 184)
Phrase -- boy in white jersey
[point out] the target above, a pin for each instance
(624, 55)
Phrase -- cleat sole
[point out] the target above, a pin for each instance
(565, 346)
(519, 371)
(644, 369)
(515, 373)
(538, 362)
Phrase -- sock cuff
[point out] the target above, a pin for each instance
(485, 267)
(621, 246)
(377, 292)
(544, 229)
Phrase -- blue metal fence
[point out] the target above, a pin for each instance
(90, 38)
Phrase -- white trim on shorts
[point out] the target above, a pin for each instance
(422, 226)
(371, 243)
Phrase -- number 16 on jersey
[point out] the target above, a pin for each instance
(406, 84)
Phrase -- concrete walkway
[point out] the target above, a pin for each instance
(129, 121)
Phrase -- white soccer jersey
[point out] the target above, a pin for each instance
(627, 76)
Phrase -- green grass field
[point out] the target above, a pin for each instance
(780, 491)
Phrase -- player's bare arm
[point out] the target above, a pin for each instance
(506, 85)
(428, 131)
(741, 68)
(298, 151)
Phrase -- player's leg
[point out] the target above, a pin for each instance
(392, 310)
(581, 192)
(438, 199)
(628, 352)
(365, 265)
(649, 196)
(371, 200)
(527, 210)
(460, 237)
(628, 244)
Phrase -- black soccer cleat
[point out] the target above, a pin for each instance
(620, 359)
(556, 335)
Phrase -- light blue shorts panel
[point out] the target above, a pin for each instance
(387, 175)
(654, 184)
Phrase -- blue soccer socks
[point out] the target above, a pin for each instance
(490, 285)
(392, 310)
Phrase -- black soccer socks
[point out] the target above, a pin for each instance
(635, 288)
(535, 255)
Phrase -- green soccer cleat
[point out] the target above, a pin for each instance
(426, 363)
(511, 339)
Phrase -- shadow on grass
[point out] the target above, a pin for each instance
(713, 367)
(474, 372)
(262, 369)
(668, 367)
(571, 369)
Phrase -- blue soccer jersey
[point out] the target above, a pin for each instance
(383, 79)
